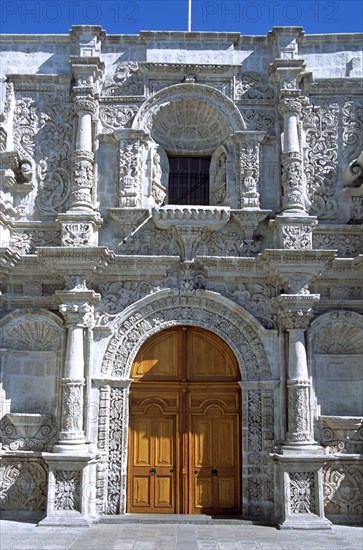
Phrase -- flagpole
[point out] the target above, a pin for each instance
(189, 15)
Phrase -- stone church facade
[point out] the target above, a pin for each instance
(168, 186)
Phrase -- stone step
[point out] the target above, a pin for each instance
(174, 519)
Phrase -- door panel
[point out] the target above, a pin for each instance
(152, 457)
(184, 438)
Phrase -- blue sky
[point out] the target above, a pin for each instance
(131, 16)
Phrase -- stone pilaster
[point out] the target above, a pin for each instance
(133, 147)
(248, 152)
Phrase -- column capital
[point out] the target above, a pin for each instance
(85, 104)
(290, 106)
(77, 314)
(296, 310)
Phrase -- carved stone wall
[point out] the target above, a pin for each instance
(85, 213)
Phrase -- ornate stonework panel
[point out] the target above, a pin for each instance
(302, 493)
(32, 432)
(54, 141)
(152, 315)
(67, 490)
(23, 485)
(258, 439)
(343, 489)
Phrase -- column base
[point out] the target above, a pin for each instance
(300, 449)
(66, 519)
(305, 521)
(71, 448)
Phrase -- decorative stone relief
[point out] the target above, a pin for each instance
(169, 310)
(352, 124)
(343, 489)
(117, 296)
(298, 411)
(297, 237)
(158, 191)
(186, 118)
(338, 332)
(117, 451)
(25, 242)
(321, 158)
(82, 180)
(76, 234)
(219, 184)
(130, 172)
(31, 332)
(117, 116)
(126, 80)
(251, 86)
(255, 298)
(187, 278)
(72, 407)
(27, 432)
(259, 120)
(249, 168)
(23, 485)
(341, 435)
(346, 245)
(258, 439)
(54, 149)
(302, 493)
(103, 446)
(67, 490)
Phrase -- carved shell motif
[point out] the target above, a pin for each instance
(32, 335)
(189, 124)
(339, 338)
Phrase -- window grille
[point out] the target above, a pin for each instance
(189, 180)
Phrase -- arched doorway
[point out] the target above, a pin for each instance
(184, 437)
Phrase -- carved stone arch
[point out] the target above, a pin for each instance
(335, 351)
(189, 118)
(208, 310)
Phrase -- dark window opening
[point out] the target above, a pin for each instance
(189, 180)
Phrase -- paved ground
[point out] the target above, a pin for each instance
(27, 536)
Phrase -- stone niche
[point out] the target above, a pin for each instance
(336, 347)
(31, 350)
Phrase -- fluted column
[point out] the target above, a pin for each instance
(293, 199)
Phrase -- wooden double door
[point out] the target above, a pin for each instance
(184, 439)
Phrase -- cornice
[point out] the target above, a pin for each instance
(25, 302)
(328, 304)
